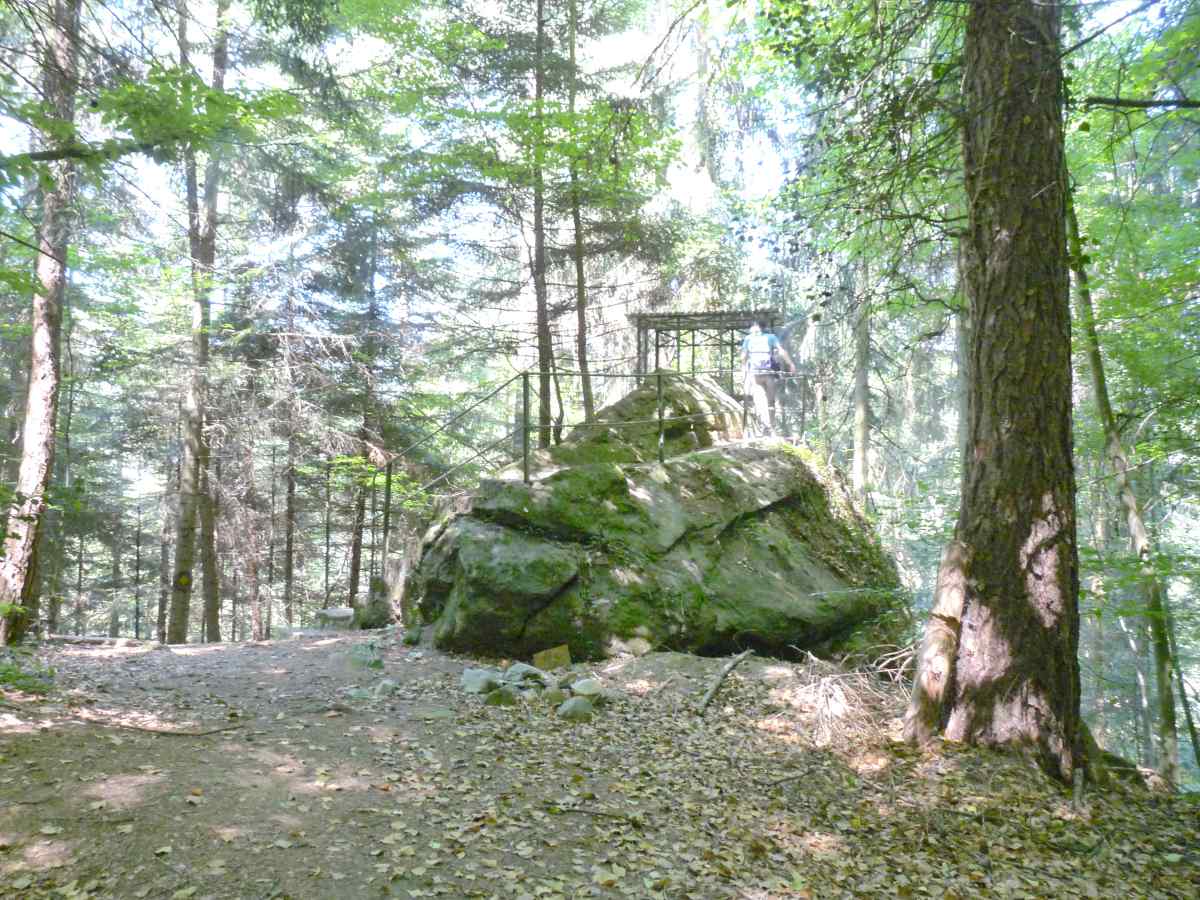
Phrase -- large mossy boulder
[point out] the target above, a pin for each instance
(714, 549)
(696, 414)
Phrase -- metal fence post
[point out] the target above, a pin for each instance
(525, 425)
(658, 378)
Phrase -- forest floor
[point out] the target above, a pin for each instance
(346, 765)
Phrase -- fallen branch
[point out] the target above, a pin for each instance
(658, 689)
(720, 679)
(779, 782)
(589, 811)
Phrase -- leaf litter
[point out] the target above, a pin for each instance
(793, 784)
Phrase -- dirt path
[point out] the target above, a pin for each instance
(352, 766)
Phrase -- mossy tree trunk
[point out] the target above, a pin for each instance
(1000, 664)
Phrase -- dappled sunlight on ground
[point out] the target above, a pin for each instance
(43, 854)
(320, 794)
(119, 792)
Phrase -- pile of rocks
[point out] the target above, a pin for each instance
(575, 697)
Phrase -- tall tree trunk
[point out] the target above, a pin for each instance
(79, 586)
(581, 329)
(356, 539)
(251, 547)
(209, 508)
(545, 345)
(18, 564)
(202, 240)
(63, 476)
(289, 538)
(1193, 735)
(862, 395)
(328, 525)
(1134, 638)
(115, 547)
(166, 529)
(1098, 655)
(137, 577)
(1004, 670)
(289, 530)
(1139, 536)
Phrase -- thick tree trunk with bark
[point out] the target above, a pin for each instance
(202, 239)
(289, 525)
(1000, 666)
(18, 566)
(1139, 536)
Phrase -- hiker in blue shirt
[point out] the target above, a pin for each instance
(762, 359)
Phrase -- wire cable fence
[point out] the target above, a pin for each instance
(788, 392)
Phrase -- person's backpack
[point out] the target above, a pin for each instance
(760, 349)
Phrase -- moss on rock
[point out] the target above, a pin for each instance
(711, 550)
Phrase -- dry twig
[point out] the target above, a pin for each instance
(721, 676)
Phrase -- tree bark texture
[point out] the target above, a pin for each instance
(209, 508)
(18, 567)
(1013, 675)
(1135, 520)
(202, 240)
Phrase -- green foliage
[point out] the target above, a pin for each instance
(309, 21)
(171, 107)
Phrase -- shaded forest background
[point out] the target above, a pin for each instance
(330, 237)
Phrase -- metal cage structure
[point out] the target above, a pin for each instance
(665, 339)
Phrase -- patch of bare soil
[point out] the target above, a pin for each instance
(349, 765)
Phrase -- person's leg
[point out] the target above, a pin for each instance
(771, 393)
(762, 408)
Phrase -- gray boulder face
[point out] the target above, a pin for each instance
(577, 709)
(479, 681)
(709, 552)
